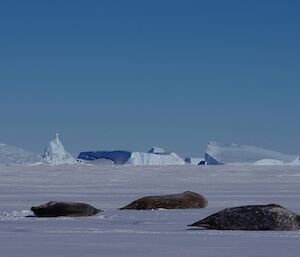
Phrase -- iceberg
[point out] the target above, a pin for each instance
(296, 162)
(55, 153)
(117, 157)
(209, 160)
(10, 155)
(157, 150)
(219, 154)
(155, 156)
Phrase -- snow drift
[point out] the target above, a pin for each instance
(218, 154)
(10, 155)
(55, 153)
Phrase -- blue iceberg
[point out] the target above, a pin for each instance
(117, 157)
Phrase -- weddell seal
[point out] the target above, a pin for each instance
(252, 217)
(70, 209)
(184, 200)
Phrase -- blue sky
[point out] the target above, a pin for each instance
(132, 74)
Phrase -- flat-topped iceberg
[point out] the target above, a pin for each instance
(55, 153)
(140, 158)
(218, 154)
(10, 155)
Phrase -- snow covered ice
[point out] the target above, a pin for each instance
(55, 153)
(115, 233)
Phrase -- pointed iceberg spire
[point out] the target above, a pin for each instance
(56, 154)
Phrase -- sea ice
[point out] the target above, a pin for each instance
(116, 233)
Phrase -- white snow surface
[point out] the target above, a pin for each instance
(140, 158)
(10, 155)
(55, 153)
(230, 154)
(115, 233)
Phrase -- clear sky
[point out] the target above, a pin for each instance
(131, 74)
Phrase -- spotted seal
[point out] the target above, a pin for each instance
(252, 217)
(70, 209)
(184, 200)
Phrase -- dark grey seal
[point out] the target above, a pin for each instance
(70, 209)
(252, 217)
(178, 201)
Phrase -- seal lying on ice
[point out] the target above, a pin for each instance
(178, 201)
(70, 209)
(252, 217)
